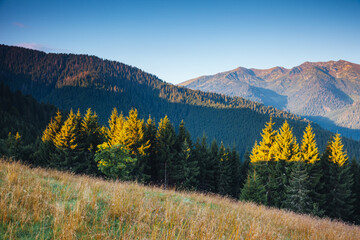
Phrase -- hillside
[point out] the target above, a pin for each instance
(65, 206)
(81, 81)
(22, 114)
(328, 89)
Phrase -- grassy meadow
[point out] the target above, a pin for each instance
(46, 204)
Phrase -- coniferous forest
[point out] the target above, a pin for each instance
(278, 172)
(188, 143)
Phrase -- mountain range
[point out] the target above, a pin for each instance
(81, 81)
(325, 92)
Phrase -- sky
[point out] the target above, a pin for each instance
(180, 40)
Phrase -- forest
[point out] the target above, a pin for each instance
(278, 172)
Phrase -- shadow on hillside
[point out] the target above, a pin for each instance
(330, 125)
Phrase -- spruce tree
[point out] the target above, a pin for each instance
(341, 204)
(166, 151)
(133, 140)
(213, 168)
(298, 191)
(224, 183)
(202, 156)
(309, 154)
(253, 190)
(150, 136)
(285, 146)
(264, 151)
(235, 173)
(190, 167)
(309, 151)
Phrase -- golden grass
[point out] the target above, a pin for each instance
(47, 204)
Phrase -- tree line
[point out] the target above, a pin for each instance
(283, 174)
(130, 148)
(278, 172)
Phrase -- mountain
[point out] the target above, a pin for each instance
(314, 89)
(81, 81)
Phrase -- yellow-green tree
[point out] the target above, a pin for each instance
(263, 150)
(115, 130)
(66, 138)
(52, 128)
(133, 134)
(337, 154)
(285, 146)
(309, 151)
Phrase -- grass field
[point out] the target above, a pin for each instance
(47, 204)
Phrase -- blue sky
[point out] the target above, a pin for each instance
(179, 40)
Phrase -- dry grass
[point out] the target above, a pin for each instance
(47, 204)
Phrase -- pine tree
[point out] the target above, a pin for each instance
(224, 184)
(90, 137)
(115, 130)
(309, 150)
(263, 151)
(337, 155)
(52, 128)
(133, 140)
(341, 205)
(298, 191)
(190, 167)
(202, 156)
(150, 136)
(213, 168)
(166, 151)
(285, 146)
(253, 189)
(66, 138)
(235, 173)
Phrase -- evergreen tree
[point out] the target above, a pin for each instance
(166, 151)
(309, 150)
(341, 204)
(212, 175)
(190, 172)
(337, 155)
(66, 138)
(90, 137)
(133, 140)
(52, 128)
(224, 182)
(115, 130)
(235, 173)
(150, 136)
(298, 191)
(264, 151)
(285, 146)
(202, 156)
(253, 189)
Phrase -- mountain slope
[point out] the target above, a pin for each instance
(58, 205)
(80, 81)
(311, 89)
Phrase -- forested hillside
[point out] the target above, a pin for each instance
(80, 81)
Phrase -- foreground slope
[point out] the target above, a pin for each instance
(329, 89)
(81, 81)
(44, 204)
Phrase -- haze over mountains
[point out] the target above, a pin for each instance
(81, 81)
(326, 92)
